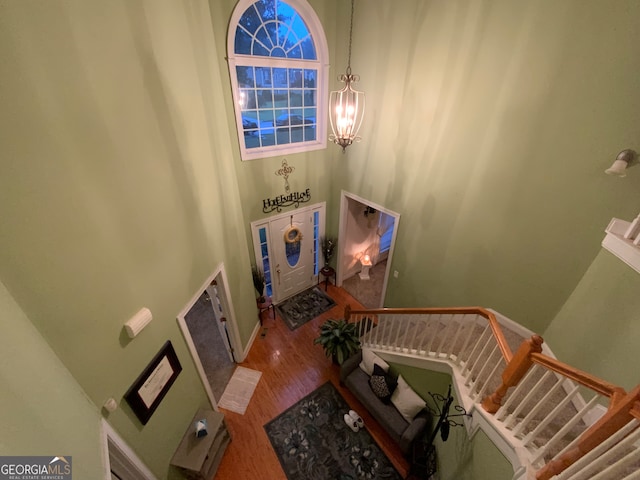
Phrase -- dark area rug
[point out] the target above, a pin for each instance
(313, 442)
(304, 306)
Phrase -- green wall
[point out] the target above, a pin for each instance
(488, 128)
(597, 329)
(460, 457)
(44, 410)
(118, 191)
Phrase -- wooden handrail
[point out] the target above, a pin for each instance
(496, 329)
(618, 415)
(583, 378)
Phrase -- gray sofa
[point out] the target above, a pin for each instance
(402, 432)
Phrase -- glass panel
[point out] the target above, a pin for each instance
(263, 77)
(309, 116)
(292, 245)
(309, 133)
(295, 98)
(285, 12)
(297, 135)
(250, 20)
(309, 98)
(251, 140)
(243, 42)
(308, 49)
(272, 30)
(282, 136)
(266, 9)
(265, 99)
(267, 138)
(295, 53)
(310, 78)
(316, 241)
(247, 99)
(280, 78)
(245, 77)
(295, 78)
(280, 99)
(278, 52)
(264, 39)
(300, 28)
(259, 50)
(263, 235)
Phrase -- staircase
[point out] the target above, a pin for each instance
(550, 420)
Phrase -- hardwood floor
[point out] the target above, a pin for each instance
(292, 367)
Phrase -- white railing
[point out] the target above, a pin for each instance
(549, 412)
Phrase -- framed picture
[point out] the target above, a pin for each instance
(154, 382)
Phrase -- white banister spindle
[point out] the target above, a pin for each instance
(616, 468)
(517, 393)
(543, 402)
(511, 419)
(486, 366)
(445, 335)
(476, 364)
(433, 324)
(461, 321)
(550, 416)
(564, 430)
(500, 364)
(585, 467)
(471, 327)
(480, 341)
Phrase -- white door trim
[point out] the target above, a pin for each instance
(256, 224)
(110, 435)
(232, 328)
(342, 231)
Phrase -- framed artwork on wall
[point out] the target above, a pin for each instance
(146, 393)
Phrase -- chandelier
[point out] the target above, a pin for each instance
(346, 106)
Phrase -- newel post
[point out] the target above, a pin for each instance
(513, 373)
(347, 313)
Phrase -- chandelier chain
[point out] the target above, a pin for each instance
(350, 38)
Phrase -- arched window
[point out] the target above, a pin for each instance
(277, 54)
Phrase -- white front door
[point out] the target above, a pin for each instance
(292, 269)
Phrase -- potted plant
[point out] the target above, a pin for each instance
(259, 281)
(339, 339)
(328, 246)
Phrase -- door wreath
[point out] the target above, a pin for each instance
(293, 235)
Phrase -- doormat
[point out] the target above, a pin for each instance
(304, 306)
(312, 440)
(239, 390)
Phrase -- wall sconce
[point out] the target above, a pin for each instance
(620, 164)
(136, 323)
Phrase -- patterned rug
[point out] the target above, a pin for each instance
(304, 306)
(313, 442)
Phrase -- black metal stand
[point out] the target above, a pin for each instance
(423, 459)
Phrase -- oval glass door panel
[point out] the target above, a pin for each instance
(292, 243)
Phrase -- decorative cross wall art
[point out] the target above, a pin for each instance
(290, 198)
(285, 171)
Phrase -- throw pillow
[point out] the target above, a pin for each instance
(382, 383)
(369, 359)
(408, 402)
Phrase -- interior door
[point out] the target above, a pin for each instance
(292, 242)
(221, 318)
